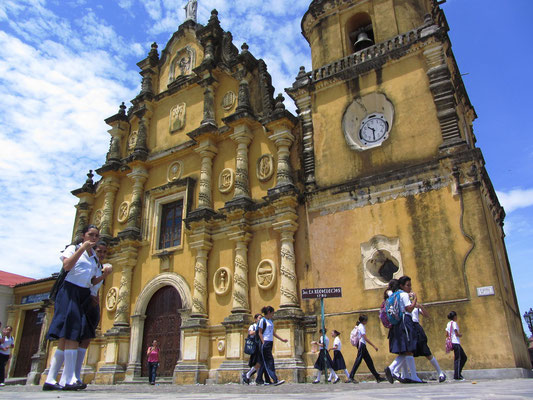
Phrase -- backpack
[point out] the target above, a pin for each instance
(383, 315)
(392, 308)
(355, 337)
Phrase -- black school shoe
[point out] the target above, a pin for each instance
(380, 379)
(388, 374)
(74, 386)
(52, 386)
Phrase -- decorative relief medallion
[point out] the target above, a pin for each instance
(123, 212)
(132, 141)
(265, 274)
(228, 101)
(174, 171)
(177, 117)
(98, 215)
(222, 280)
(111, 299)
(265, 167)
(226, 180)
(221, 345)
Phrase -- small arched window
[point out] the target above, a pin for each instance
(360, 33)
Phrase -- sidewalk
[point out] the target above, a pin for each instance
(477, 390)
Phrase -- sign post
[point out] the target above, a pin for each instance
(322, 293)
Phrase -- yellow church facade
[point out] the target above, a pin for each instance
(217, 201)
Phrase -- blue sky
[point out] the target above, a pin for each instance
(66, 65)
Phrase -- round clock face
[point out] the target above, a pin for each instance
(373, 129)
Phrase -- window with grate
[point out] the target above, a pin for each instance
(170, 224)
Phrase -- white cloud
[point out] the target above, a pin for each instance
(515, 199)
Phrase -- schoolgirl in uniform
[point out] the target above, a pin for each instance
(362, 352)
(81, 263)
(90, 322)
(452, 329)
(338, 360)
(402, 336)
(267, 334)
(255, 358)
(320, 362)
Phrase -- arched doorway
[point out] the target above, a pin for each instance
(31, 333)
(163, 323)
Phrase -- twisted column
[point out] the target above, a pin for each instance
(208, 151)
(243, 137)
(241, 303)
(123, 300)
(110, 187)
(283, 138)
(83, 208)
(201, 241)
(139, 175)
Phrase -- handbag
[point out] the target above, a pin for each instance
(449, 344)
(250, 345)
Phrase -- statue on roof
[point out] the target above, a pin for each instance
(190, 10)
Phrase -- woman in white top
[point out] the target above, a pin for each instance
(81, 263)
(362, 352)
(452, 330)
(324, 360)
(402, 336)
(267, 334)
(5, 351)
(338, 359)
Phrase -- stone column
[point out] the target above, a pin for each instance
(201, 241)
(283, 138)
(110, 187)
(243, 137)
(138, 176)
(134, 363)
(123, 299)
(286, 225)
(84, 208)
(241, 303)
(207, 151)
(209, 105)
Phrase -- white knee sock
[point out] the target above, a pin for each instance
(318, 375)
(79, 363)
(333, 375)
(249, 373)
(410, 360)
(404, 372)
(347, 373)
(435, 364)
(397, 361)
(68, 377)
(55, 366)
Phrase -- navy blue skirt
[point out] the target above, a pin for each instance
(319, 364)
(422, 348)
(403, 337)
(338, 361)
(69, 312)
(91, 320)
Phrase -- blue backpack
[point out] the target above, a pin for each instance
(393, 309)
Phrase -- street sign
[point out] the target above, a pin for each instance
(321, 293)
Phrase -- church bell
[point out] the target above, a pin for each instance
(362, 42)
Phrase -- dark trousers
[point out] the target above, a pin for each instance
(267, 362)
(459, 360)
(363, 354)
(3, 361)
(152, 369)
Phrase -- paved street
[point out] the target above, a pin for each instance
(482, 389)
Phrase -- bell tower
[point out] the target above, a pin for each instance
(394, 184)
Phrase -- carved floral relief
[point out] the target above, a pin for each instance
(111, 299)
(265, 274)
(265, 167)
(177, 117)
(123, 212)
(226, 180)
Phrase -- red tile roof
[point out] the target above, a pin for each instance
(9, 279)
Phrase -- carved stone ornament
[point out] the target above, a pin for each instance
(182, 64)
(174, 171)
(132, 141)
(265, 274)
(222, 281)
(228, 101)
(123, 212)
(381, 260)
(265, 167)
(177, 117)
(97, 219)
(221, 345)
(367, 121)
(226, 180)
(111, 299)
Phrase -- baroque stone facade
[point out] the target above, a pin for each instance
(213, 189)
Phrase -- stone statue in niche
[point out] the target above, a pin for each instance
(265, 167)
(182, 63)
(132, 141)
(265, 274)
(221, 281)
(191, 9)
(185, 65)
(177, 117)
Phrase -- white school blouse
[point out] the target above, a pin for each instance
(404, 302)
(455, 339)
(84, 270)
(362, 331)
(321, 341)
(337, 342)
(268, 329)
(415, 314)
